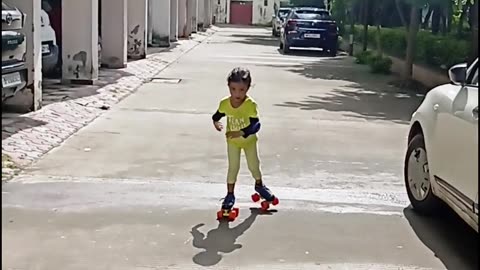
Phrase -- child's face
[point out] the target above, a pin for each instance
(238, 90)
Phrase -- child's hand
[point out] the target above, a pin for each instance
(234, 134)
(218, 126)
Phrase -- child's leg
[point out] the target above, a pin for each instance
(233, 168)
(253, 162)
(233, 152)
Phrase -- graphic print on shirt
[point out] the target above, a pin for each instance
(236, 123)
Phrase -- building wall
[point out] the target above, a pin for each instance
(262, 14)
(221, 11)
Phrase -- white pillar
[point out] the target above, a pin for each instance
(192, 11)
(80, 41)
(114, 33)
(160, 11)
(31, 9)
(137, 28)
(182, 18)
(201, 15)
(173, 20)
(207, 21)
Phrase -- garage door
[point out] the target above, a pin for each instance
(241, 12)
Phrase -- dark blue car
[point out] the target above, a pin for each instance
(309, 27)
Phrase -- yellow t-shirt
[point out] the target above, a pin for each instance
(239, 118)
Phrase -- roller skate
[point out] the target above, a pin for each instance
(227, 210)
(262, 192)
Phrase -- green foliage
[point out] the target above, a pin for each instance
(363, 57)
(380, 64)
(434, 50)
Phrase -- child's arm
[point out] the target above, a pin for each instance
(216, 120)
(253, 128)
(217, 116)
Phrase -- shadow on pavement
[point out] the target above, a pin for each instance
(448, 237)
(371, 105)
(221, 239)
(14, 120)
(13, 123)
(252, 39)
(359, 93)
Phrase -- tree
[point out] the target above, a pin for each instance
(365, 7)
(474, 49)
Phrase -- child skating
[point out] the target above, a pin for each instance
(242, 126)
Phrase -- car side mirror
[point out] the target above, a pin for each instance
(458, 74)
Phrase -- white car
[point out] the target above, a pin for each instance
(50, 52)
(278, 19)
(441, 162)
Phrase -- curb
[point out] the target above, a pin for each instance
(110, 95)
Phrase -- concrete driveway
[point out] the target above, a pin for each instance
(140, 186)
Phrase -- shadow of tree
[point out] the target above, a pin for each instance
(359, 93)
(393, 106)
(252, 39)
(13, 123)
(221, 239)
(446, 235)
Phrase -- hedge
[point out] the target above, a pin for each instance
(434, 50)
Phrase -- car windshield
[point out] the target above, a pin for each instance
(282, 13)
(6, 7)
(311, 15)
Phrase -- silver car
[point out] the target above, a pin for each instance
(14, 48)
(278, 19)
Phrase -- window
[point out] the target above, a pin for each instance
(311, 15)
(472, 76)
(475, 78)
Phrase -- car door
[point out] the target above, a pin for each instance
(457, 142)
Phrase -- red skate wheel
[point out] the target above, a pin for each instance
(275, 201)
(255, 197)
(232, 216)
(265, 205)
(220, 214)
(237, 211)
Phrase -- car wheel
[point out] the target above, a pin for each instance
(286, 48)
(417, 177)
(332, 52)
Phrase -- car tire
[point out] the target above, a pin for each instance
(332, 52)
(416, 161)
(286, 48)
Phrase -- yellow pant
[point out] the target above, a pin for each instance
(253, 162)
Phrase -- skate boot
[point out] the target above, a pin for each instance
(228, 202)
(227, 210)
(263, 192)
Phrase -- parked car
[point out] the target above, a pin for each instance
(309, 27)
(278, 19)
(50, 52)
(441, 163)
(14, 48)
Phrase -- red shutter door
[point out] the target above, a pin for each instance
(241, 12)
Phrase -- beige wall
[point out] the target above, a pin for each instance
(114, 33)
(80, 40)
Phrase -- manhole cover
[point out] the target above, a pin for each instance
(166, 80)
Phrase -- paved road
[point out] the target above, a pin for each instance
(139, 187)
